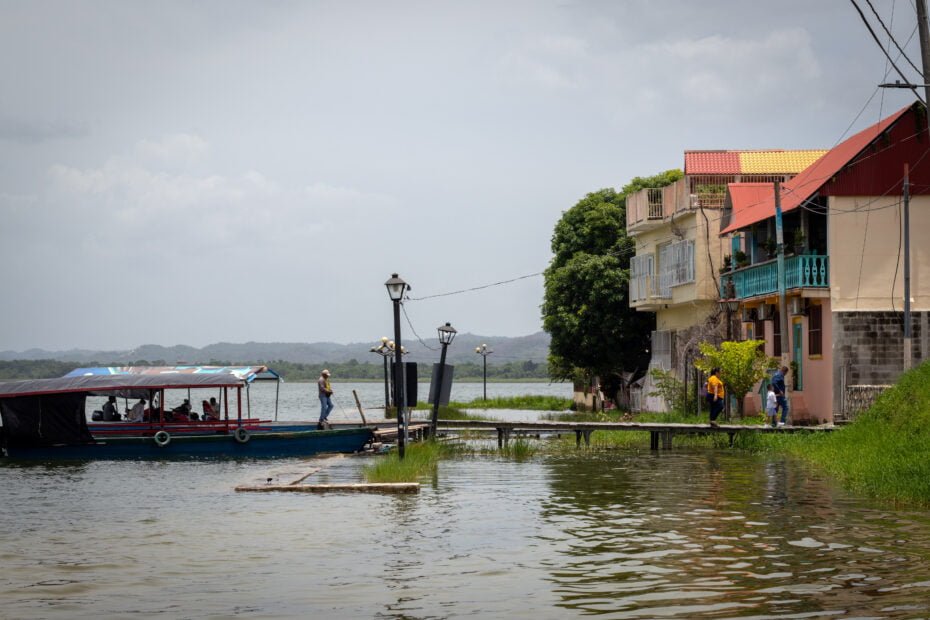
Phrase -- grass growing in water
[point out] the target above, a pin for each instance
(527, 402)
(420, 460)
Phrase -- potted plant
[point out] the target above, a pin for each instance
(741, 259)
(725, 266)
(770, 247)
(798, 241)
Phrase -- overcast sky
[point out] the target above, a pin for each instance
(197, 172)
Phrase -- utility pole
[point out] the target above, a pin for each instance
(906, 190)
(924, 35)
(782, 301)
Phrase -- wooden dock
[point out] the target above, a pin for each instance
(660, 434)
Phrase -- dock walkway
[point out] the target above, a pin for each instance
(660, 434)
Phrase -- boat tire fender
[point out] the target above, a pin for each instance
(241, 435)
(162, 438)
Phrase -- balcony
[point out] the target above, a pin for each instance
(802, 271)
(648, 208)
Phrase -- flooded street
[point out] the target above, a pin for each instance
(685, 534)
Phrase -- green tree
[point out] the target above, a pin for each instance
(741, 365)
(586, 306)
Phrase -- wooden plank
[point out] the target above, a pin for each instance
(358, 404)
(375, 487)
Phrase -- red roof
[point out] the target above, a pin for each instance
(749, 208)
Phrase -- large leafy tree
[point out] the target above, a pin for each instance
(586, 307)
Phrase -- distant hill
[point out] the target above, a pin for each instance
(534, 347)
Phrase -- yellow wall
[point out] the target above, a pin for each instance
(863, 238)
(705, 234)
(684, 316)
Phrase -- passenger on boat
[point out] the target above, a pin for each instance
(211, 410)
(152, 413)
(182, 412)
(137, 412)
(109, 410)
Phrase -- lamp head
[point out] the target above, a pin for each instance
(396, 287)
(446, 333)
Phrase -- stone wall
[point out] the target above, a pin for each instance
(868, 351)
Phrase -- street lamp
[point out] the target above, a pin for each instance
(484, 352)
(396, 288)
(730, 304)
(385, 349)
(446, 336)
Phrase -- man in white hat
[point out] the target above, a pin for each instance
(326, 402)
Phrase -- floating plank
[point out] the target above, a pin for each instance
(375, 487)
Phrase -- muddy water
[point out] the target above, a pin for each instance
(686, 534)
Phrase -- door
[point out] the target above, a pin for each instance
(797, 355)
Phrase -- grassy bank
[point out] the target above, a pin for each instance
(455, 410)
(885, 453)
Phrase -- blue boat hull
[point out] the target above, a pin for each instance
(275, 444)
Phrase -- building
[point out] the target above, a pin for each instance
(675, 272)
(843, 266)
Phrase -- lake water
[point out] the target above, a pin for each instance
(688, 533)
(299, 401)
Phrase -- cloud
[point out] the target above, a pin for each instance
(553, 62)
(32, 131)
(179, 149)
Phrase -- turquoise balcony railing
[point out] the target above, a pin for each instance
(804, 271)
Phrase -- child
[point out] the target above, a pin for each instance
(771, 407)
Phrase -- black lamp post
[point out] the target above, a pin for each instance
(730, 304)
(396, 288)
(484, 352)
(446, 336)
(385, 350)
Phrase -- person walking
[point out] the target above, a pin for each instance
(781, 393)
(325, 389)
(771, 406)
(715, 395)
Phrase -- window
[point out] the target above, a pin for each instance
(641, 270)
(676, 265)
(815, 330)
(776, 334)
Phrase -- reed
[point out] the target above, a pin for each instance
(420, 460)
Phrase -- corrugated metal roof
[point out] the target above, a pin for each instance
(748, 211)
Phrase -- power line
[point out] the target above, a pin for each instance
(884, 51)
(891, 37)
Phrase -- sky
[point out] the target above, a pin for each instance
(201, 172)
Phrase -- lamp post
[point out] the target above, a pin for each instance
(446, 336)
(385, 350)
(484, 352)
(730, 304)
(396, 288)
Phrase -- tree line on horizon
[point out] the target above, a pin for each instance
(352, 370)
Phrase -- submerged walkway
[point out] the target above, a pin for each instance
(659, 433)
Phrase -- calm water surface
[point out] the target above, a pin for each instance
(617, 534)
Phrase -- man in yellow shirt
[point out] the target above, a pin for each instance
(715, 395)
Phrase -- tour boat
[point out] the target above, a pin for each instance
(47, 418)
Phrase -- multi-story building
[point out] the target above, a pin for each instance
(844, 266)
(675, 272)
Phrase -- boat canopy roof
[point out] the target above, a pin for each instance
(119, 383)
(247, 373)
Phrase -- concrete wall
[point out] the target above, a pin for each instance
(870, 346)
(866, 264)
